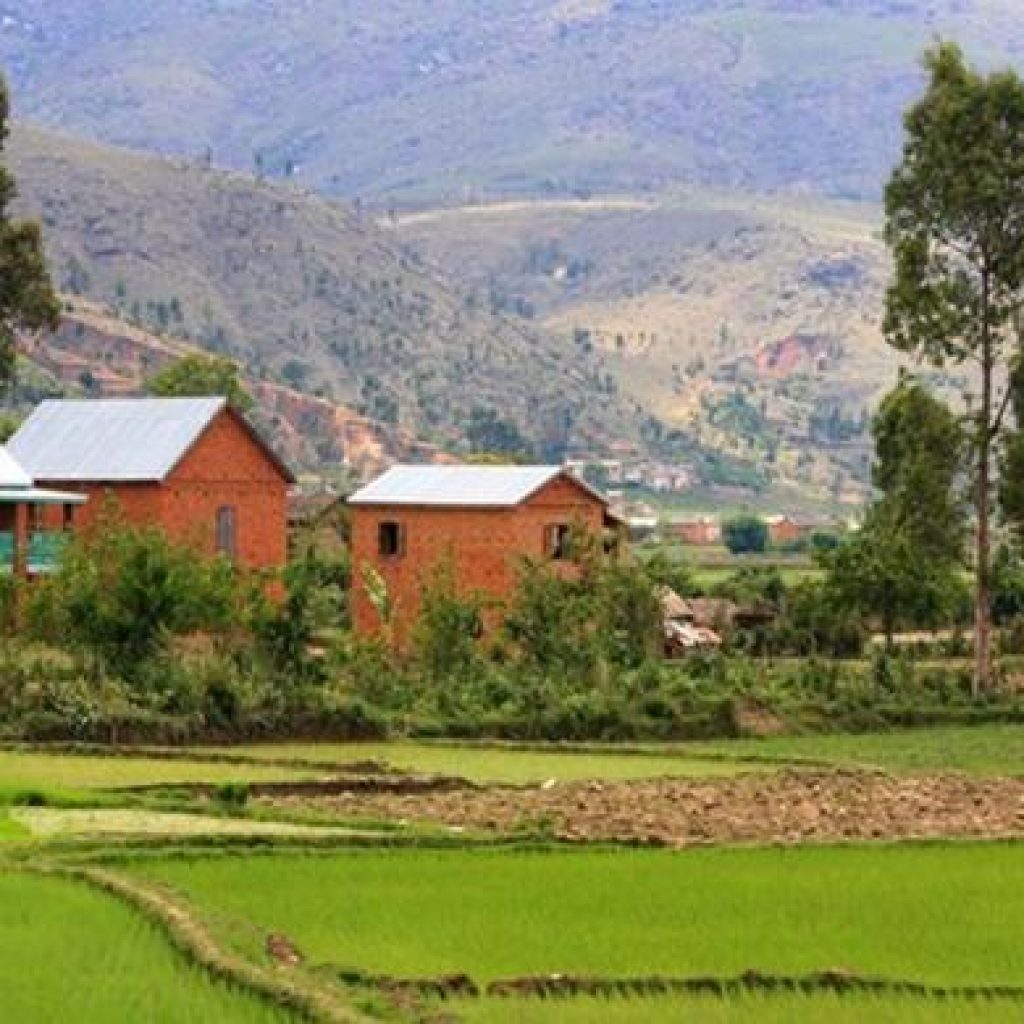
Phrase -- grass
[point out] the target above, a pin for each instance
(991, 749)
(719, 912)
(74, 773)
(12, 829)
(499, 764)
(775, 1009)
(68, 952)
(981, 750)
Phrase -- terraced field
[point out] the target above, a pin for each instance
(254, 884)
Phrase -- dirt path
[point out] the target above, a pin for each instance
(787, 807)
(601, 205)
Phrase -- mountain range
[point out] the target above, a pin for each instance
(423, 100)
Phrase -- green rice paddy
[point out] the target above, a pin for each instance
(882, 911)
(982, 749)
(68, 953)
(493, 764)
(22, 770)
(774, 1009)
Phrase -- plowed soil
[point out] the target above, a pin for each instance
(787, 807)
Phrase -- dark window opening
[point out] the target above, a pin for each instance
(227, 531)
(391, 539)
(557, 541)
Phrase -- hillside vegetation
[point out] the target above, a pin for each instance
(750, 324)
(429, 98)
(307, 294)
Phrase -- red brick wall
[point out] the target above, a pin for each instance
(485, 546)
(225, 467)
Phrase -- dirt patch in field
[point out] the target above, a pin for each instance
(788, 807)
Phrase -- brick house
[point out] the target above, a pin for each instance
(193, 466)
(27, 546)
(703, 531)
(785, 530)
(485, 519)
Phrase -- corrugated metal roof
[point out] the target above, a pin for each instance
(127, 439)
(462, 486)
(12, 476)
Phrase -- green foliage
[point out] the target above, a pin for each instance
(920, 450)
(315, 600)
(123, 591)
(201, 375)
(444, 642)
(904, 566)
(491, 433)
(27, 298)
(745, 534)
(1007, 584)
(955, 224)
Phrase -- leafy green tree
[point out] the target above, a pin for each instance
(199, 375)
(27, 298)
(920, 455)
(955, 224)
(122, 591)
(444, 640)
(745, 534)
(904, 564)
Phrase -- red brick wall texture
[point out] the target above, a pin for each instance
(225, 467)
(485, 547)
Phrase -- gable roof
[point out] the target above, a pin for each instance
(119, 439)
(463, 486)
(12, 476)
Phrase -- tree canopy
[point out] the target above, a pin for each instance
(27, 299)
(955, 224)
(903, 567)
(745, 534)
(199, 375)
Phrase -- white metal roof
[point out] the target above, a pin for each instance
(17, 487)
(127, 439)
(12, 476)
(461, 486)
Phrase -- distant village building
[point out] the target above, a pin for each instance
(192, 466)
(702, 531)
(483, 520)
(784, 530)
(27, 546)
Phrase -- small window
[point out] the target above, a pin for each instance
(391, 539)
(227, 531)
(556, 541)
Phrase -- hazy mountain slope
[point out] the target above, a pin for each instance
(751, 324)
(301, 291)
(436, 97)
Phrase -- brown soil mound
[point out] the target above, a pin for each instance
(788, 807)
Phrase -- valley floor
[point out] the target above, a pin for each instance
(448, 882)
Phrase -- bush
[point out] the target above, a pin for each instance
(745, 534)
(122, 591)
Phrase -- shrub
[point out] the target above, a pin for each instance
(745, 534)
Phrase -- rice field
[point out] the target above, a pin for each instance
(774, 1009)
(879, 911)
(32, 769)
(995, 749)
(498, 764)
(72, 954)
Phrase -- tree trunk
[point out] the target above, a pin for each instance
(982, 563)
